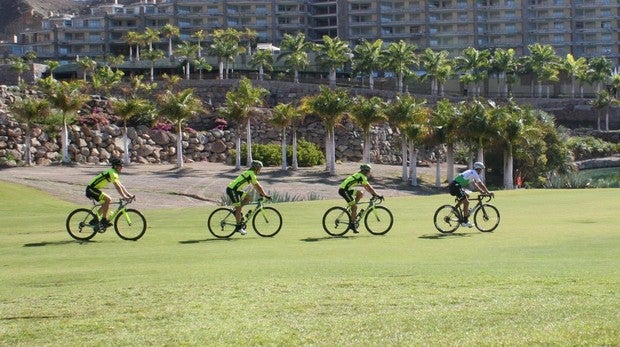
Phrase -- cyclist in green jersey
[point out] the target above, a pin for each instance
(93, 190)
(345, 190)
(239, 197)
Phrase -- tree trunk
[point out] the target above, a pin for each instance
(125, 146)
(366, 155)
(405, 176)
(238, 148)
(437, 173)
(179, 146)
(450, 163)
(371, 81)
(28, 158)
(606, 118)
(248, 142)
(284, 164)
(481, 159)
(332, 170)
(65, 143)
(508, 168)
(413, 160)
(294, 146)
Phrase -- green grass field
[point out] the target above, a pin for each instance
(549, 275)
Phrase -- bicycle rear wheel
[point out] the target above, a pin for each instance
(222, 223)
(336, 221)
(447, 219)
(130, 225)
(267, 221)
(378, 220)
(82, 224)
(486, 218)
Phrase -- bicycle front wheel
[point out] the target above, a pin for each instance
(222, 223)
(81, 224)
(267, 221)
(486, 218)
(130, 224)
(336, 221)
(447, 219)
(378, 220)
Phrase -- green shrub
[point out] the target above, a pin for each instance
(308, 154)
(587, 147)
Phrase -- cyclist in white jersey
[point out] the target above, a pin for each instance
(463, 180)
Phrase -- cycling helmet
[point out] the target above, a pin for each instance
(116, 162)
(256, 164)
(365, 167)
(478, 165)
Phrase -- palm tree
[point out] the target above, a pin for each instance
(19, 65)
(574, 68)
(399, 57)
(250, 35)
(330, 105)
(507, 124)
(444, 121)
(150, 35)
(615, 84)
(179, 107)
(200, 64)
(474, 66)
(51, 66)
(602, 102)
(261, 60)
(332, 54)
(104, 79)
(415, 131)
(234, 111)
(401, 113)
(126, 109)
(134, 38)
(188, 51)
(599, 70)
(367, 112)
(284, 115)
(226, 47)
(367, 59)
(437, 68)
(88, 65)
(170, 31)
(543, 63)
(295, 53)
(475, 125)
(115, 61)
(68, 99)
(152, 56)
(199, 35)
(29, 111)
(504, 64)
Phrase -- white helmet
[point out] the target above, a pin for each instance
(478, 165)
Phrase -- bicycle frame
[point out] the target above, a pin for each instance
(374, 201)
(122, 204)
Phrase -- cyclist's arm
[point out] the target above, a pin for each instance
(260, 189)
(482, 187)
(122, 191)
(371, 190)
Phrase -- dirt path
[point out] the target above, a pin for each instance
(203, 183)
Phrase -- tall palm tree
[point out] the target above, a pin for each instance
(88, 65)
(508, 125)
(543, 62)
(179, 107)
(599, 70)
(574, 68)
(234, 111)
(367, 58)
(226, 47)
(332, 54)
(416, 131)
(188, 51)
(134, 38)
(200, 64)
(295, 53)
(400, 57)
(67, 98)
(261, 60)
(104, 79)
(401, 112)
(444, 121)
(284, 115)
(615, 84)
(437, 68)
(29, 110)
(115, 61)
(51, 66)
(126, 109)
(474, 66)
(475, 125)
(242, 103)
(200, 35)
(152, 56)
(170, 31)
(150, 36)
(250, 35)
(330, 105)
(603, 101)
(503, 63)
(367, 112)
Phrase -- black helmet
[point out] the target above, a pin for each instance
(116, 162)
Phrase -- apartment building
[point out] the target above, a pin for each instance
(585, 28)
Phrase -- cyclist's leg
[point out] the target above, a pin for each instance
(457, 191)
(237, 198)
(352, 202)
(99, 196)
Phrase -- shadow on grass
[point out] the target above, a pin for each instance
(189, 242)
(56, 243)
(444, 236)
(328, 238)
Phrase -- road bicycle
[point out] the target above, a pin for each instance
(266, 220)
(377, 219)
(448, 218)
(83, 223)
